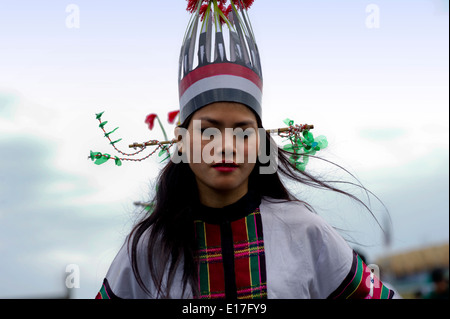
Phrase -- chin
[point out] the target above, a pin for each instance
(225, 186)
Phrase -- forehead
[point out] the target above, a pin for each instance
(225, 111)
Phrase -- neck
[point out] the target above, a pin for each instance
(220, 199)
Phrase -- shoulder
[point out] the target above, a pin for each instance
(292, 214)
(120, 280)
(295, 220)
(301, 242)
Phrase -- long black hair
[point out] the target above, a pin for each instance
(166, 235)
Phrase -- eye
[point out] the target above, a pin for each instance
(244, 134)
(210, 131)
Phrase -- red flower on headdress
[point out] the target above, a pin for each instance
(202, 11)
(150, 120)
(226, 12)
(192, 5)
(173, 116)
(221, 7)
(241, 4)
(244, 4)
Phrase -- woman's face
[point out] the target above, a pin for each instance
(223, 147)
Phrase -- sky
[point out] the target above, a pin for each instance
(372, 76)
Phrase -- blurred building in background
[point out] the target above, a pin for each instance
(420, 273)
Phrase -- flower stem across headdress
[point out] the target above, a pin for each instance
(302, 143)
(100, 158)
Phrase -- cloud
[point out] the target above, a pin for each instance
(27, 177)
(42, 229)
(7, 110)
(56, 207)
(441, 6)
(382, 134)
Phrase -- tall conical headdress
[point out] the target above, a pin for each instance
(219, 60)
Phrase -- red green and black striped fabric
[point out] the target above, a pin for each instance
(106, 292)
(249, 258)
(359, 285)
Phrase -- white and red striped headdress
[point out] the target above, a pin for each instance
(219, 59)
(219, 62)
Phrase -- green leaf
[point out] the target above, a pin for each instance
(301, 167)
(162, 152)
(299, 143)
(289, 148)
(168, 156)
(112, 143)
(102, 125)
(149, 208)
(322, 142)
(95, 155)
(294, 158)
(99, 115)
(309, 137)
(108, 134)
(306, 160)
(101, 160)
(118, 162)
(288, 122)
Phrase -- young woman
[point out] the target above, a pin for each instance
(221, 226)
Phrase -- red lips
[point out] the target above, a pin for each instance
(225, 164)
(226, 167)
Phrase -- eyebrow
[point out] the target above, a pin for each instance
(219, 123)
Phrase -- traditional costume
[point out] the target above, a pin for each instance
(256, 248)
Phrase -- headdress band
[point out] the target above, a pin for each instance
(216, 65)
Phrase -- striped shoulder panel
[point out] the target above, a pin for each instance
(106, 292)
(361, 283)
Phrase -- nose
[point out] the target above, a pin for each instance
(228, 150)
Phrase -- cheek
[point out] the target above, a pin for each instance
(198, 170)
(204, 150)
(192, 146)
(248, 150)
(253, 146)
